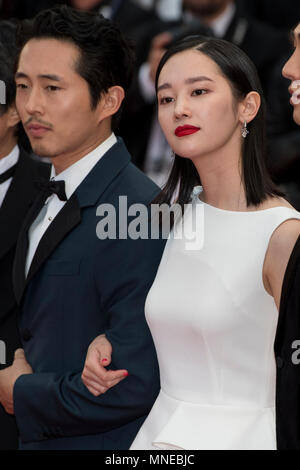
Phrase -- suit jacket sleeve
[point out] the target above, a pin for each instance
(60, 405)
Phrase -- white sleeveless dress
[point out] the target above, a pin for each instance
(213, 326)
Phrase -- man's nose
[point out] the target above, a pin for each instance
(34, 103)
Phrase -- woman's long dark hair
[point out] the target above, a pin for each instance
(242, 76)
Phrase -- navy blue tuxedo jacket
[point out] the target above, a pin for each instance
(78, 287)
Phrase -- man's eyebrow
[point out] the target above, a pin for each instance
(188, 81)
(55, 78)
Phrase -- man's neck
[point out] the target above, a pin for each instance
(61, 163)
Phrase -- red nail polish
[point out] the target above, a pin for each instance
(125, 374)
(104, 360)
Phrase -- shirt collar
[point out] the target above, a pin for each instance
(221, 24)
(10, 160)
(76, 173)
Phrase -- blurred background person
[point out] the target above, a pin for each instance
(23, 9)
(169, 10)
(277, 13)
(138, 23)
(18, 173)
(223, 19)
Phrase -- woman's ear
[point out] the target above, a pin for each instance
(13, 117)
(249, 107)
(111, 101)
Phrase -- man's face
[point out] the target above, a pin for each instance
(205, 7)
(85, 4)
(4, 127)
(291, 70)
(54, 102)
(8, 130)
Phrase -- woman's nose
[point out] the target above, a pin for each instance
(182, 109)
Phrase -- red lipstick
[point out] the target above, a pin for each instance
(181, 131)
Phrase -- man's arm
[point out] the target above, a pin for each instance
(51, 404)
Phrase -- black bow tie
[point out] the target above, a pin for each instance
(53, 187)
(8, 174)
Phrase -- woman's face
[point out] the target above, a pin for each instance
(196, 109)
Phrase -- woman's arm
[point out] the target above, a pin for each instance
(277, 257)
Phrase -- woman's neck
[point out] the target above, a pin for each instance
(222, 180)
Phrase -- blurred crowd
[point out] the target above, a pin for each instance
(260, 27)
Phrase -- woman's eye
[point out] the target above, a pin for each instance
(165, 100)
(21, 86)
(199, 92)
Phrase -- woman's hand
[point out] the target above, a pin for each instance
(94, 375)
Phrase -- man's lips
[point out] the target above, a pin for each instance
(186, 130)
(37, 130)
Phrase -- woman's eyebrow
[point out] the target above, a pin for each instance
(188, 81)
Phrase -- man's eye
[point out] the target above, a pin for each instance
(52, 88)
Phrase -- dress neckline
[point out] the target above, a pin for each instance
(198, 190)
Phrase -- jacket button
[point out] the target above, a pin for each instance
(279, 362)
(26, 334)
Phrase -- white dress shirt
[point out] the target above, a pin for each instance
(73, 176)
(5, 164)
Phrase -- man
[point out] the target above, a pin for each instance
(291, 71)
(18, 173)
(73, 284)
(287, 341)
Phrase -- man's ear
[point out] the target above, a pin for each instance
(13, 117)
(111, 101)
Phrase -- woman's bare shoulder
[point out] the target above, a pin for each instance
(276, 201)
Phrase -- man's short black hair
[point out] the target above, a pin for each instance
(106, 57)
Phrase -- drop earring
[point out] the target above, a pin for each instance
(245, 131)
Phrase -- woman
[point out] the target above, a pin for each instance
(213, 311)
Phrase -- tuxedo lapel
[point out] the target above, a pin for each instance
(18, 199)
(64, 222)
(22, 247)
(87, 194)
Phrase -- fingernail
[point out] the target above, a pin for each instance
(104, 360)
(125, 374)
